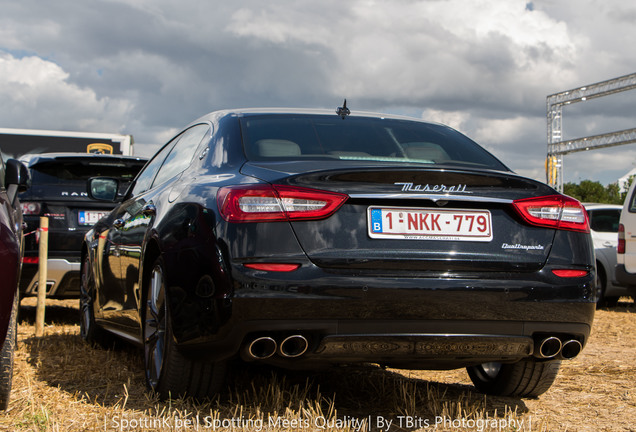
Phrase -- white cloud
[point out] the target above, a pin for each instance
(455, 119)
(502, 131)
(37, 94)
(147, 67)
(411, 52)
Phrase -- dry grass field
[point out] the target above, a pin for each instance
(60, 384)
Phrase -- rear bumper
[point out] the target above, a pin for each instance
(62, 279)
(409, 322)
(417, 345)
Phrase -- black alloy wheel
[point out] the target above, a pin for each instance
(155, 327)
(90, 332)
(168, 372)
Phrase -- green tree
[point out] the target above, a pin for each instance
(629, 182)
(589, 191)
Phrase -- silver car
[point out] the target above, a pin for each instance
(604, 219)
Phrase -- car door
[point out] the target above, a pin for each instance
(115, 297)
(139, 213)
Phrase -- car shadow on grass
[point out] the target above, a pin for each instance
(114, 380)
(55, 312)
(624, 304)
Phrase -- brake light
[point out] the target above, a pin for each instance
(568, 273)
(554, 211)
(620, 247)
(30, 260)
(276, 267)
(30, 208)
(268, 203)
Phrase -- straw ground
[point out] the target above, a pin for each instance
(61, 384)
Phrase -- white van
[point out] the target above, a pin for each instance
(626, 248)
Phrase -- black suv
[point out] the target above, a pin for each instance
(59, 191)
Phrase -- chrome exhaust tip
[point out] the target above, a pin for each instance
(548, 347)
(571, 349)
(262, 348)
(293, 346)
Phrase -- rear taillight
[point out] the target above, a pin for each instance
(554, 211)
(620, 247)
(30, 208)
(569, 273)
(30, 260)
(273, 267)
(267, 203)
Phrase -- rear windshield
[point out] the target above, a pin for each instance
(289, 137)
(605, 220)
(71, 171)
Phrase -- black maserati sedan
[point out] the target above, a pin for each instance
(308, 238)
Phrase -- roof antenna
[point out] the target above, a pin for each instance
(343, 111)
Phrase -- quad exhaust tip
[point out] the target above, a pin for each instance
(571, 349)
(293, 346)
(551, 347)
(262, 348)
(548, 347)
(265, 347)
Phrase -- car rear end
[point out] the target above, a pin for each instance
(59, 192)
(400, 243)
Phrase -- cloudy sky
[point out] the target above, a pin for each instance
(484, 67)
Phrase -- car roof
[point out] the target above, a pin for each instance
(246, 112)
(36, 158)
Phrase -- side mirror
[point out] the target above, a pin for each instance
(103, 188)
(16, 178)
(17, 174)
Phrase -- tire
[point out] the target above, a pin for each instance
(526, 378)
(90, 332)
(7, 354)
(610, 302)
(168, 372)
(601, 286)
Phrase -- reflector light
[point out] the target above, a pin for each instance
(568, 273)
(30, 208)
(30, 260)
(620, 247)
(554, 211)
(275, 267)
(268, 203)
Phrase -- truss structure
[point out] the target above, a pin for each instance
(557, 147)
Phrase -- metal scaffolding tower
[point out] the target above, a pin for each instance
(557, 148)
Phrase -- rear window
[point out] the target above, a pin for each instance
(605, 220)
(70, 171)
(286, 137)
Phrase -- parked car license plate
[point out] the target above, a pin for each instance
(90, 217)
(429, 224)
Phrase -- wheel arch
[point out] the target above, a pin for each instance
(152, 251)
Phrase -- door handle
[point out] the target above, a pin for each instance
(608, 244)
(149, 210)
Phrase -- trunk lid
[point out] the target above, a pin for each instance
(430, 202)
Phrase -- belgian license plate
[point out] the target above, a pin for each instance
(90, 217)
(429, 224)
